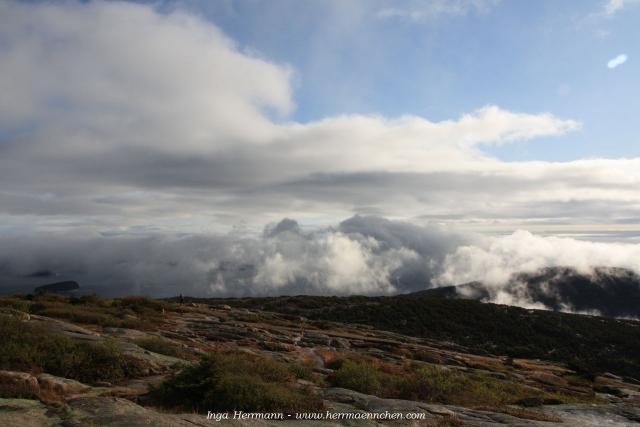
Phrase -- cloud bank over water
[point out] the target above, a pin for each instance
(361, 255)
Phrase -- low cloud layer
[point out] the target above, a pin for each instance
(371, 256)
(361, 255)
(494, 261)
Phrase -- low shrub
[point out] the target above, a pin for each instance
(584, 367)
(235, 381)
(160, 346)
(15, 303)
(433, 384)
(303, 371)
(135, 312)
(359, 376)
(90, 300)
(32, 348)
(142, 306)
(83, 315)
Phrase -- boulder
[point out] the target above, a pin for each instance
(60, 386)
(114, 411)
(128, 334)
(66, 328)
(23, 384)
(20, 315)
(23, 412)
(18, 384)
(435, 413)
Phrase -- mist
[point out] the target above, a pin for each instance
(362, 255)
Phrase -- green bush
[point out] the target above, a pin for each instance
(15, 303)
(142, 305)
(161, 346)
(359, 376)
(33, 348)
(302, 371)
(234, 381)
(436, 384)
(91, 300)
(584, 367)
(102, 315)
(432, 384)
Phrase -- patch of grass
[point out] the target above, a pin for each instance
(584, 367)
(135, 312)
(235, 381)
(303, 371)
(32, 348)
(15, 303)
(142, 306)
(358, 376)
(579, 380)
(434, 384)
(83, 314)
(160, 346)
(442, 385)
(90, 300)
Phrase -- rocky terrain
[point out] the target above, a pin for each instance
(538, 392)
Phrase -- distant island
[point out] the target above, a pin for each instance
(59, 287)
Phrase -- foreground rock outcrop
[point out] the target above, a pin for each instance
(553, 393)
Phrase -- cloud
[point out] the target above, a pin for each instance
(498, 262)
(361, 255)
(613, 6)
(498, 258)
(157, 80)
(169, 117)
(156, 122)
(421, 11)
(617, 61)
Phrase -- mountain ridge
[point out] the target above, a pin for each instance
(606, 291)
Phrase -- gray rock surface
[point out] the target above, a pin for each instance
(204, 329)
(622, 415)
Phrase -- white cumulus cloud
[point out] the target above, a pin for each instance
(617, 61)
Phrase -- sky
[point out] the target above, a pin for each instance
(440, 59)
(261, 147)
